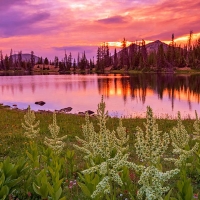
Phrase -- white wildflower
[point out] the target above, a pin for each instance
(150, 145)
(30, 125)
(180, 142)
(109, 146)
(55, 143)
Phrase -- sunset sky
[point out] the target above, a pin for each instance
(49, 27)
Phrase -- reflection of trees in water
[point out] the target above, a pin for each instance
(138, 86)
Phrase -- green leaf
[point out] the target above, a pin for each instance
(63, 198)
(180, 186)
(84, 189)
(44, 191)
(2, 179)
(58, 193)
(4, 192)
(188, 190)
(95, 181)
(167, 197)
(29, 156)
(36, 189)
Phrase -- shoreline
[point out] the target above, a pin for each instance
(93, 113)
(122, 71)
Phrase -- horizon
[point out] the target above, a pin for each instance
(50, 28)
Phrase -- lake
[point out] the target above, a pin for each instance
(125, 95)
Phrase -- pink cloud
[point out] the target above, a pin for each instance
(41, 26)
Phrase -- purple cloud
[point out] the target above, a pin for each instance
(90, 51)
(113, 20)
(17, 24)
(7, 4)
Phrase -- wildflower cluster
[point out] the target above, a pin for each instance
(152, 181)
(196, 125)
(55, 143)
(30, 125)
(110, 147)
(150, 147)
(180, 142)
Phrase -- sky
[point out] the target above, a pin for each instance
(51, 27)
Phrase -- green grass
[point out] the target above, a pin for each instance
(192, 71)
(13, 142)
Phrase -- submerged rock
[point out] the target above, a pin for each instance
(68, 109)
(81, 113)
(89, 112)
(41, 103)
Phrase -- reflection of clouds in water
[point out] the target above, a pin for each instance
(124, 95)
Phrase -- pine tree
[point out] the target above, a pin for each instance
(115, 62)
(6, 62)
(46, 61)
(160, 58)
(19, 60)
(32, 61)
(1, 60)
(11, 60)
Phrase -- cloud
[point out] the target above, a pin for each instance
(80, 25)
(7, 4)
(90, 51)
(17, 24)
(113, 20)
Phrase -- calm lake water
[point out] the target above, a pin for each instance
(125, 95)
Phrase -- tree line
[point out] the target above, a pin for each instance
(135, 56)
(17, 62)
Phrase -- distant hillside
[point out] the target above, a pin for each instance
(25, 57)
(153, 46)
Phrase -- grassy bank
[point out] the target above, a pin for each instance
(12, 140)
(34, 172)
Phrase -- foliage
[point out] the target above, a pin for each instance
(10, 176)
(117, 164)
(31, 128)
(180, 142)
(106, 152)
(150, 148)
(55, 143)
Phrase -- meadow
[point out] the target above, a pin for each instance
(95, 162)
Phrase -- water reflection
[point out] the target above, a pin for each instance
(124, 95)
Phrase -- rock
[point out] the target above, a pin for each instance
(68, 109)
(81, 113)
(14, 105)
(6, 106)
(41, 103)
(89, 112)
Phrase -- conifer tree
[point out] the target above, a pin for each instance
(1, 60)
(115, 61)
(6, 62)
(32, 61)
(11, 60)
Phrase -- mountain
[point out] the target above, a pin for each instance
(150, 47)
(25, 57)
(153, 46)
